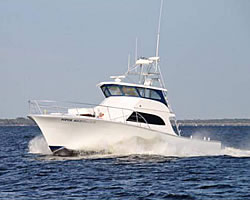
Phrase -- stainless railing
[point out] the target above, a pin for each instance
(110, 113)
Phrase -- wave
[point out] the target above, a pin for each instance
(230, 151)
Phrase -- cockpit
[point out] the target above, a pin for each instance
(133, 91)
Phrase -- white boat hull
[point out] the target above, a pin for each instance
(88, 134)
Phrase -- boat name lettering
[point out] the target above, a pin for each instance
(66, 120)
(83, 121)
(76, 120)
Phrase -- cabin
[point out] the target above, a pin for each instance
(136, 104)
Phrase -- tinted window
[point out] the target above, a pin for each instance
(141, 91)
(149, 93)
(145, 118)
(129, 91)
(105, 91)
(114, 90)
(120, 90)
(154, 95)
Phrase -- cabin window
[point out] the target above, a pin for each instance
(154, 95)
(141, 91)
(129, 91)
(114, 90)
(145, 118)
(149, 93)
(123, 90)
(105, 91)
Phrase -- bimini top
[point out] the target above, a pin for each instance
(133, 90)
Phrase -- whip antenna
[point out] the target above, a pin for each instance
(128, 62)
(158, 33)
(136, 49)
(157, 47)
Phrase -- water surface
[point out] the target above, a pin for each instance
(28, 171)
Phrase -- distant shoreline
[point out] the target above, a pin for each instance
(215, 122)
(21, 121)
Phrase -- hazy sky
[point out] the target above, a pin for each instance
(60, 50)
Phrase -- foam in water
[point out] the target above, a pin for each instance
(230, 151)
(138, 145)
(38, 145)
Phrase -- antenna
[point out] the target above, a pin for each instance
(157, 46)
(158, 33)
(128, 62)
(136, 40)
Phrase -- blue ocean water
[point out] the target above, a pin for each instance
(28, 171)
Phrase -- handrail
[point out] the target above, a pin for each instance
(52, 107)
(79, 103)
(90, 104)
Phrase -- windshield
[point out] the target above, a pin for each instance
(114, 90)
(129, 91)
(123, 90)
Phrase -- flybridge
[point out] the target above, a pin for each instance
(147, 61)
(148, 72)
(145, 72)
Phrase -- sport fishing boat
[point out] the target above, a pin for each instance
(135, 105)
(128, 110)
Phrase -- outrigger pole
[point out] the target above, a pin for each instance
(158, 33)
(157, 47)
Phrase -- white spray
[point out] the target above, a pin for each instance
(38, 145)
(138, 145)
